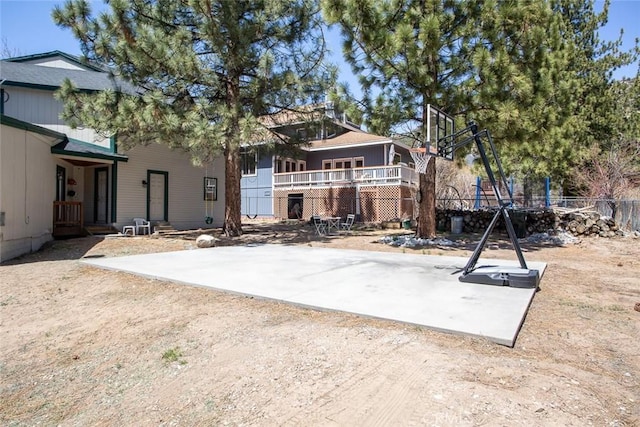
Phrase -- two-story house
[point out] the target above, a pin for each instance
(341, 169)
(57, 181)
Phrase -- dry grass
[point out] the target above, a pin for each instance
(82, 346)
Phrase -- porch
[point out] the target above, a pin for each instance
(400, 174)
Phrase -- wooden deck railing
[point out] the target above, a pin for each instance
(396, 174)
(67, 219)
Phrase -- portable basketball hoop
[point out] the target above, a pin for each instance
(521, 277)
(440, 139)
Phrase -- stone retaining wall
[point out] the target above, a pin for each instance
(527, 222)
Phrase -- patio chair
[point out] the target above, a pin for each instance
(142, 225)
(319, 224)
(346, 225)
(129, 230)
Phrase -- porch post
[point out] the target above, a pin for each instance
(114, 192)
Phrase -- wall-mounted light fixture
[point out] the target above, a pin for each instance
(144, 182)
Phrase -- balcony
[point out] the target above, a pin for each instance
(369, 176)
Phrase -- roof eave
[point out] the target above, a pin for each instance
(19, 124)
(41, 87)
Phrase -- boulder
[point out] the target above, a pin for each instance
(205, 241)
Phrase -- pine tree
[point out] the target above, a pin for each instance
(466, 57)
(204, 72)
(526, 92)
(593, 61)
(603, 107)
(534, 73)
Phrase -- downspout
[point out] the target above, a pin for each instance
(2, 96)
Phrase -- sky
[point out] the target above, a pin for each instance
(26, 28)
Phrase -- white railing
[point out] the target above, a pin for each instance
(397, 174)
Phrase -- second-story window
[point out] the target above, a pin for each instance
(289, 165)
(248, 160)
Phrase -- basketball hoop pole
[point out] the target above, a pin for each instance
(502, 204)
(523, 278)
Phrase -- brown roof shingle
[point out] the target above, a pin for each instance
(349, 138)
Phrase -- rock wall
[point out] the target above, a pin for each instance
(527, 222)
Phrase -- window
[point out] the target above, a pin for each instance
(346, 163)
(289, 165)
(302, 134)
(210, 188)
(330, 130)
(248, 160)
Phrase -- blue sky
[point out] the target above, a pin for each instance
(26, 28)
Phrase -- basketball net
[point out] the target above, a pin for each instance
(421, 157)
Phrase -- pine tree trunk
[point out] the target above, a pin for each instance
(426, 228)
(233, 172)
(232, 217)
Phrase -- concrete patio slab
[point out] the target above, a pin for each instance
(415, 289)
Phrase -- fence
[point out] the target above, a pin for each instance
(369, 208)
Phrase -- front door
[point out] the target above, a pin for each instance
(101, 192)
(157, 206)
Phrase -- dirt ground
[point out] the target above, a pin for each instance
(84, 346)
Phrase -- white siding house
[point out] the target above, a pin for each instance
(27, 187)
(186, 207)
(57, 181)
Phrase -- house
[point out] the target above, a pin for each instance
(341, 169)
(56, 181)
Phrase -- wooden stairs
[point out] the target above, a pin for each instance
(99, 230)
(163, 227)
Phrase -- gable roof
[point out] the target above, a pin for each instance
(51, 55)
(348, 139)
(352, 135)
(19, 72)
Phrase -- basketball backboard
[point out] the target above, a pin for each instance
(440, 126)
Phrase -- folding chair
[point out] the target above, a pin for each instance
(346, 226)
(319, 224)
